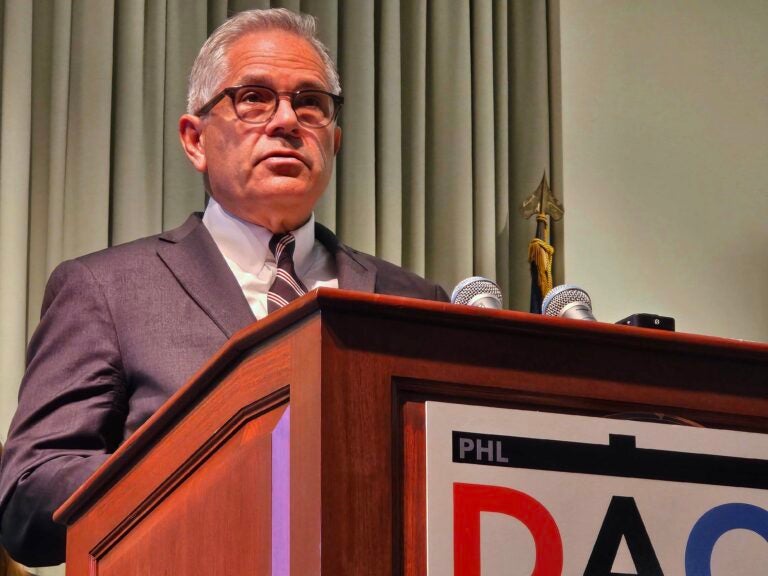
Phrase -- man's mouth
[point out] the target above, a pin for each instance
(287, 155)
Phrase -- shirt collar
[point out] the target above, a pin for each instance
(247, 244)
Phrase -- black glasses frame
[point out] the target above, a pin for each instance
(294, 94)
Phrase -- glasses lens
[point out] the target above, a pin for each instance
(313, 108)
(254, 103)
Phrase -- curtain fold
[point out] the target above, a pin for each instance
(389, 133)
(137, 121)
(483, 157)
(356, 168)
(445, 132)
(413, 62)
(15, 152)
(88, 134)
(501, 162)
(52, 33)
(327, 13)
(528, 131)
(186, 28)
(448, 160)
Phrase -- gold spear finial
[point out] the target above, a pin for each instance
(542, 202)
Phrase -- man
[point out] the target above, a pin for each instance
(123, 329)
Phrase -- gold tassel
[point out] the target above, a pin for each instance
(540, 252)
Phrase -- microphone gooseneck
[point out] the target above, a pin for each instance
(478, 291)
(568, 301)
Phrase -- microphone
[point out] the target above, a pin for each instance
(478, 291)
(568, 301)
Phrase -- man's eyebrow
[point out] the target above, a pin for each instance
(262, 80)
(254, 79)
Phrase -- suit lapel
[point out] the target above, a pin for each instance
(353, 275)
(195, 261)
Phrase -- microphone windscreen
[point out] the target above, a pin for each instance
(568, 301)
(478, 291)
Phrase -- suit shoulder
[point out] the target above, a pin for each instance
(127, 249)
(397, 281)
(137, 253)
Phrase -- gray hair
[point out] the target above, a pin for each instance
(211, 64)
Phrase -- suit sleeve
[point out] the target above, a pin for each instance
(440, 294)
(71, 413)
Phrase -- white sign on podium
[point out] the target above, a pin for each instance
(513, 493)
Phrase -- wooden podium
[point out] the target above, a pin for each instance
(300, 446)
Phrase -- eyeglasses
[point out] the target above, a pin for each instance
(257, 104)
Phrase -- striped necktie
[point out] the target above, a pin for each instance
(287, 286)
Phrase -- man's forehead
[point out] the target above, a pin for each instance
(257, 56)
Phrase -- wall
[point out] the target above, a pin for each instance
(664, 159)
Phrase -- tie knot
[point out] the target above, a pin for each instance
(281, 246)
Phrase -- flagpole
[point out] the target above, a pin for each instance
(547, 208)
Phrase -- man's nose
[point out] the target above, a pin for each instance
(284, 118)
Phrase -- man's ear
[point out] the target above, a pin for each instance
(191, 136)
(336, 140)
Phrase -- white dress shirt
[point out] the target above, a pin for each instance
(245, 248)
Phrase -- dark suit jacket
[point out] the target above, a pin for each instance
(121, 330)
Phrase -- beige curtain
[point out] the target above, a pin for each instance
(446, 131)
